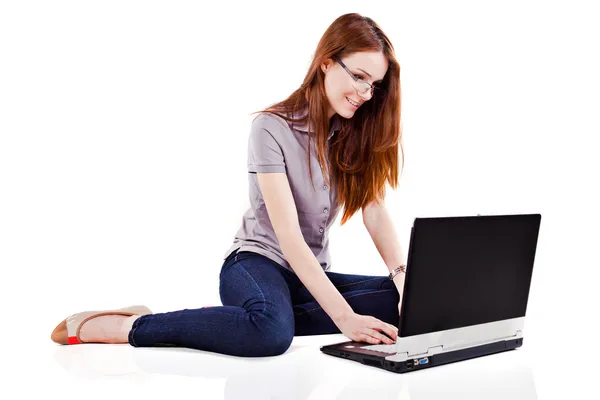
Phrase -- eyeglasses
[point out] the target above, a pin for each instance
(358, 84)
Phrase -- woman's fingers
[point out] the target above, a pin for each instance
(379, 336)
(386, 328)
(368, 339)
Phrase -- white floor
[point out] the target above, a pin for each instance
(96, 371)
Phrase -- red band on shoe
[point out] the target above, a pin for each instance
(73, 340)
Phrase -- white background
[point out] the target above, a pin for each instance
(123, 143)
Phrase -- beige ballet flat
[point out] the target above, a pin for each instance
(67, 332)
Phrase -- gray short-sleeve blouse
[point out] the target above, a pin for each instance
(276, 145)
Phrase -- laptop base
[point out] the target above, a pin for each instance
(376, 359)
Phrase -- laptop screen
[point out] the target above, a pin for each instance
(467, 270)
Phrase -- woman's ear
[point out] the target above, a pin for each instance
(326, 65)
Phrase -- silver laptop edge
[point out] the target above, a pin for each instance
(454, 339)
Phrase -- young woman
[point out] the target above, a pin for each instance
(275, 281)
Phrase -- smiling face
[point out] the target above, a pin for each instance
(371, 67)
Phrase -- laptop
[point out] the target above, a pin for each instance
(465, 293)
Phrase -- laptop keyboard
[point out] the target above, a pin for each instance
(383, 348)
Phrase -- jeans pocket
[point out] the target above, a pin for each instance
(242, 255)
(228, 261)
(235, 258)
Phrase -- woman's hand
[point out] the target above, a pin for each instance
(364, 328)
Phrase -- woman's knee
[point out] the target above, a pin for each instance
(275, 334)
(276, 346)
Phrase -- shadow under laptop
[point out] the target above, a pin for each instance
(298, 375)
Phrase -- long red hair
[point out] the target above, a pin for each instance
(364, 153)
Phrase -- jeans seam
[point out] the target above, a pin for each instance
(349, 297)
(353, 283)
(366, 280)
(264, 300)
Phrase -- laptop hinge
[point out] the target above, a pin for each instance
(402, 356)
(518, 334)
(430, 351)
(434, 350)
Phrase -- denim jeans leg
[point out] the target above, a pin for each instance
(256, 319)
(367, 295)
(346, 283)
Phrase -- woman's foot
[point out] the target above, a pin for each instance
(111, 326)
(107, 329)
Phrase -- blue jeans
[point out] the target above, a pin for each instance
(264, 307)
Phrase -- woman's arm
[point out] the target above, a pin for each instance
(283, 214)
